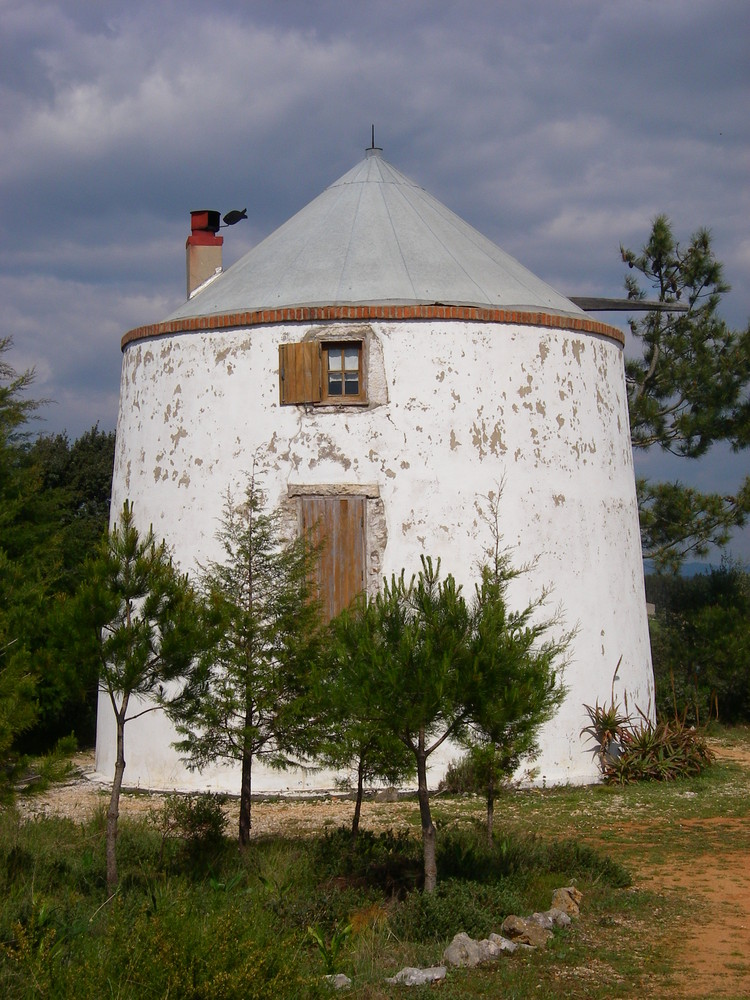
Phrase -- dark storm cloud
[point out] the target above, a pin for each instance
(558, 130)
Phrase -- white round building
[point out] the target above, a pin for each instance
(390, 367)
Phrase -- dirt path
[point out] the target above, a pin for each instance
(711, 948)
(714, 951)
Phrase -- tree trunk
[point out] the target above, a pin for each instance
(428, 827)
(490, 808)
(246, 819)
(358, 803)
(114, 802)
(246, 798)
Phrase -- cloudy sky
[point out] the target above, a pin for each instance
(559, 128)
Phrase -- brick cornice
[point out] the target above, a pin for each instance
(318, 314)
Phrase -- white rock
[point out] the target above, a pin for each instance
(559, 917)
(503, 943)
(541, 920)
(419, 977)
(490, 951)
(339, 981)
(462, 951)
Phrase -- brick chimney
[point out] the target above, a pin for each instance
(203, 248)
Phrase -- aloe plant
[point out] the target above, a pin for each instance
(631, 749)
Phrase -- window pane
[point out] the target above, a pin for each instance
(343, 369)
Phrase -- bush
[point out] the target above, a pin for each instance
(700, 643)
(461, 777)
(455, 905)
(243, 931)
(161, 935)
(574, 860)
(391, 861)
(637, 750)
(198, 821)
(464, 854)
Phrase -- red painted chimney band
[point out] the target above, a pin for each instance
(205, 220)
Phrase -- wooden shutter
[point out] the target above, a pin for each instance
(339, 522)
(299, 372)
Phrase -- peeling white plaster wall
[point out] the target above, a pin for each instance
(457, 407)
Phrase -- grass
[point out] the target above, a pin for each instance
(195, 917)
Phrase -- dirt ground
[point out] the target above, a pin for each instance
(712, 950)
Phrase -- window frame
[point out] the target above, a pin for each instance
(303, 372)
(332, 399)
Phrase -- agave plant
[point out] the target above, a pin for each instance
(639, 750)
(607, 729)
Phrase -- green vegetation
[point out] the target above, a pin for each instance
(247, 696)
(329, 951)
(28, 546)
(198, 821)
(54, 503)
(349, 739)
(688, 391)
(266, 923)
(193, 915)
(144, 623)
(432, 666)
(640, 750)
(700, 642)
(79, 475)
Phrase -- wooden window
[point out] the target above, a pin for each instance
(314, 372)
(339, 523)
(342, 370)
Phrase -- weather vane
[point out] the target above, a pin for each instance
(233, 217)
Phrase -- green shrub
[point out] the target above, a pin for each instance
(461, 777)
(488, 765)
(631, 750)
(175, 951)
(464, 854)
(198, 822)
(455, 905)
(574, 860)
(329, 950)
(243, 930)
(391, 861)
(700, 636)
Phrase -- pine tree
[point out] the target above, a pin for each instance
(247, 699)
(435, 667)
(144, 620)
(349, 735)
(74, 482)
(688, 391)
(28, 561)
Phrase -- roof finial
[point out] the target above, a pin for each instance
(372, 149)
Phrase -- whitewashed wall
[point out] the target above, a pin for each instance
(459, 406)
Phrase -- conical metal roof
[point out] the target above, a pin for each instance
(375, 237)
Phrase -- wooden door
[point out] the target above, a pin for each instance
(339, 522)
